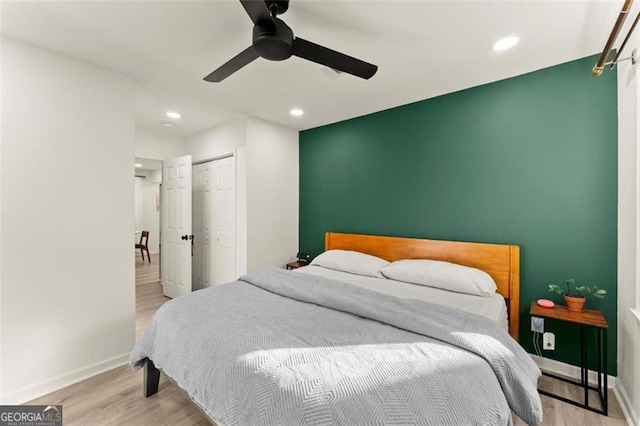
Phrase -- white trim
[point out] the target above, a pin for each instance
(209, 158)
(636, 312)
(633, 419)
(636, 186)
(29, 393)
(1, 327)
(568, 370)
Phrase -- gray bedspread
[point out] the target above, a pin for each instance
(283, 348)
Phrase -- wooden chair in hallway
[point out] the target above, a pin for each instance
(144, 245)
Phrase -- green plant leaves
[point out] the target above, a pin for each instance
(556, 288)
(581, 290)
(599, 293)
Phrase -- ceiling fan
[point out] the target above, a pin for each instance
(274, 40)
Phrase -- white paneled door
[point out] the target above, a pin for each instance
(202, 187)
(214, 222)
(224, 220)
(176, 226)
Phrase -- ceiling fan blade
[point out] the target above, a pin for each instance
(336, 60)
(245, 57)
(258, 12)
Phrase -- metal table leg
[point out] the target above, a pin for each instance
(583, 366)
(601, 353)
(605, 406)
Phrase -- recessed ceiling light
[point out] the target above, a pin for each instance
(505, 43)
(296, 112)
(138, 165)
(174, 115)
(167, 124)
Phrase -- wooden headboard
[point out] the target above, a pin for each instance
(500, 261)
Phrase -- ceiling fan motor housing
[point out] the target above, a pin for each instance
(279, 6)
(275, 45)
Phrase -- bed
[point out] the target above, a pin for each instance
(501, 261)
(493, 307)
(297, 347)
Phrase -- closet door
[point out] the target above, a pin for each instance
(202, 189)
(176, 226)
(224, 220)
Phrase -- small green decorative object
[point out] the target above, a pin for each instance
(579, 290)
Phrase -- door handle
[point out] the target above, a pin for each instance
(184, 237)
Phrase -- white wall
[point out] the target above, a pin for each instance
(155, 176)
(68, 275)
(267, 187)
(137, 223)
(1, 174)
(217, 141)
(628, 381)
(272, 194)
(150, 220)
(157, 146)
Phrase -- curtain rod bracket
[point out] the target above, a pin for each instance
(599, 67)
(633, 57)
(597, 71)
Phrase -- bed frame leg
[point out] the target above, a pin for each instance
(151, 378)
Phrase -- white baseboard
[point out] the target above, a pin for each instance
(633, 419)
(29, 393)
(568, 370)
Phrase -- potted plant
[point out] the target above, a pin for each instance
(575, 299)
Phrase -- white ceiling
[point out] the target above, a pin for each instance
(423, 49)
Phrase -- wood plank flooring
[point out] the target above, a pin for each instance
(115, 397)
(558, 413)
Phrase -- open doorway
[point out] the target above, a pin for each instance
(148, 178)
(186, 216)
(147, 216)
(176, 199)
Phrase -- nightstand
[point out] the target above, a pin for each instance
(587, 318)
(295, 265)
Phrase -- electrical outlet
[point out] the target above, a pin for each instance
(537, 324)
(548, 341)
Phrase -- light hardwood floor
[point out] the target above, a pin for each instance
(562, 414)
(115, 397)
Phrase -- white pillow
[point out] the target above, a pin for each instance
(351, 261)
(444, 275)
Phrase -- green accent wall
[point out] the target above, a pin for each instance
(531, 160)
